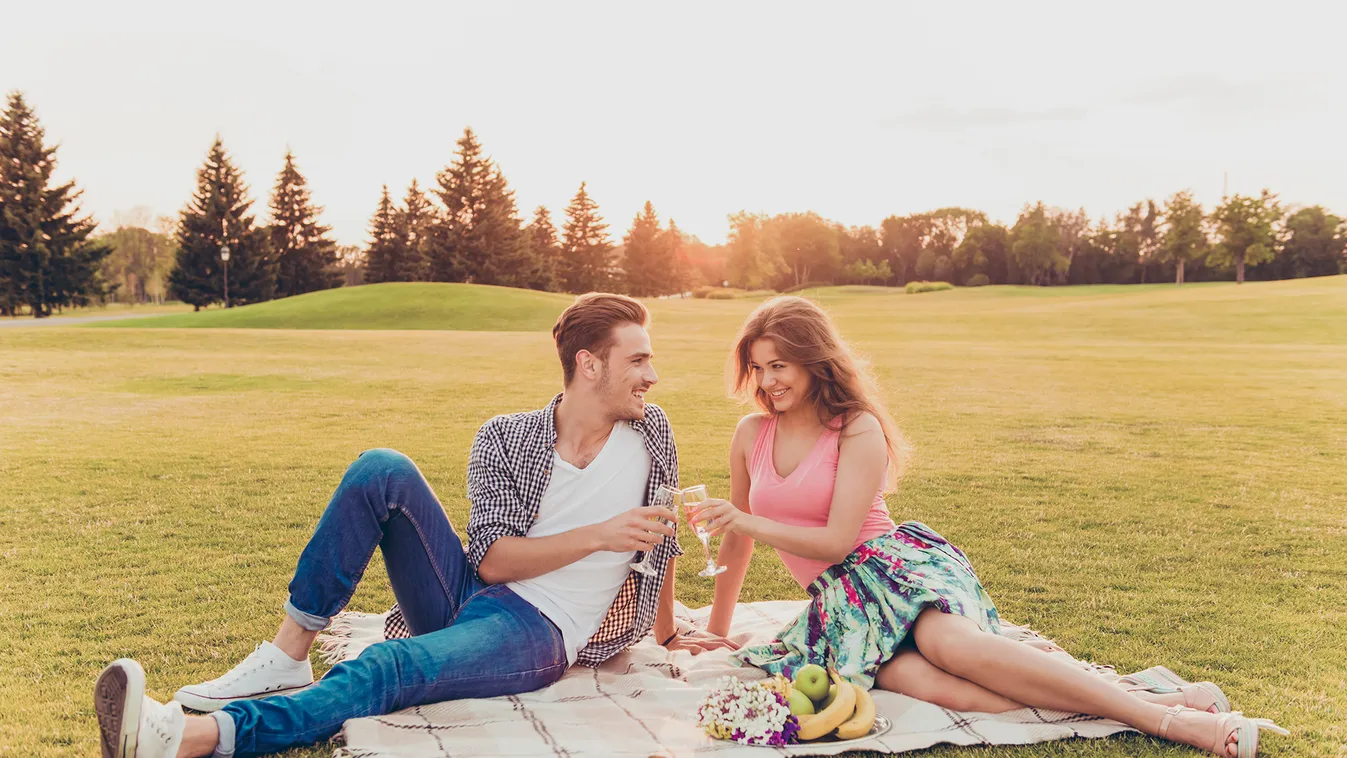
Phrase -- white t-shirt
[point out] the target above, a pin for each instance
(577, 597)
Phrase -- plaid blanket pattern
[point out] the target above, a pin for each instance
(642, 703)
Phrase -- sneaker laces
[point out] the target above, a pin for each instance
(157, 726)
(159, 720)
(248, 666)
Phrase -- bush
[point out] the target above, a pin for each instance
(805, 286)
(977, 280)
(728, 293)
(914, 288)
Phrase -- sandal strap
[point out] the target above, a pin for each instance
(1170, 713)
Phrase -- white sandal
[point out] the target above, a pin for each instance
(1160, 680)
(1236, 723)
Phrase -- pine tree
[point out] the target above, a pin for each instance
(413, 222)
(47, 259)
(384, 255)
(306, 257)
(586, 252)
(216, 216)
(644, 250)
(479, 238)
(544, 250)
(509, 259)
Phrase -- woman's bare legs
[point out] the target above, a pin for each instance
(1024, 675)
(909, 673)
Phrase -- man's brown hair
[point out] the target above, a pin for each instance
(588, 324)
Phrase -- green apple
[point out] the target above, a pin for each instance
(832, 695)
(812, 680)
(800, 704)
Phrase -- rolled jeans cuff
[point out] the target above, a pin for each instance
(308, 621)
(225, 747)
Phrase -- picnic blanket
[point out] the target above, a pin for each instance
(643, 703)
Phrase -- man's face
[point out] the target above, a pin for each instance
(627, 374)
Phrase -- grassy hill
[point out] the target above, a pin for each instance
(394, 305)
(1305, 310)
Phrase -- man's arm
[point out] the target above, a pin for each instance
(512, 559)
(499, 520)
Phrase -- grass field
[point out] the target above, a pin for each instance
(396, 305)
(108, 310)
(1146, 474)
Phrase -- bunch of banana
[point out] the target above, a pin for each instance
(851, 713)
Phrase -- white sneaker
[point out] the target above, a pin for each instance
(131, 725)
(266, 671)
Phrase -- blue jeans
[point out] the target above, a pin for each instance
(471, 639)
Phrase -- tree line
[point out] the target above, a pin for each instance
(47, 258)
(1244, 236)
(467, 228)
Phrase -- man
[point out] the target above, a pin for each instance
(558, 514)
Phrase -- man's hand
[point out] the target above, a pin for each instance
(701, 641)
(639, 529)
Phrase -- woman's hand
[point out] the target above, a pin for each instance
(720, 517)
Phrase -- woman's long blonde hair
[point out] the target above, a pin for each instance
(842, 386)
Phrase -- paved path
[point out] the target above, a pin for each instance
(69, 320)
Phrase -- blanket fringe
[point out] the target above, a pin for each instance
(336, 641)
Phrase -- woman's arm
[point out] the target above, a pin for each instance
(736, 550)
(861, 465)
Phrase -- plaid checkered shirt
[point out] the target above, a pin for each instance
(508, 471)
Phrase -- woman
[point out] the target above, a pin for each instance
(892, 606)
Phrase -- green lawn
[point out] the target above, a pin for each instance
(398, 305)
(113, 309)
(1146, 474)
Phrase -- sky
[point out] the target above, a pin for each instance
(857, 111)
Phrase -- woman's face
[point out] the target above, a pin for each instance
(786, 384)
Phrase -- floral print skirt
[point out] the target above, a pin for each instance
(862, 609)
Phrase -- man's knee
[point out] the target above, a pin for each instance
(378, 666)
(382, 461)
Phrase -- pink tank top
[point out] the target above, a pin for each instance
(805, 497)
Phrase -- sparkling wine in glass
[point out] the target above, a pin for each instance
(667, 498)
(692, 498)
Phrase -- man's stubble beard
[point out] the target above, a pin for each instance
(617, 402)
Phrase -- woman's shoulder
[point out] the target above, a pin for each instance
(747, 429)
(860, 423)
(749, 425)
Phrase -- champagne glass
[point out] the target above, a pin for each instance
(667, 498)
(692, 497)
